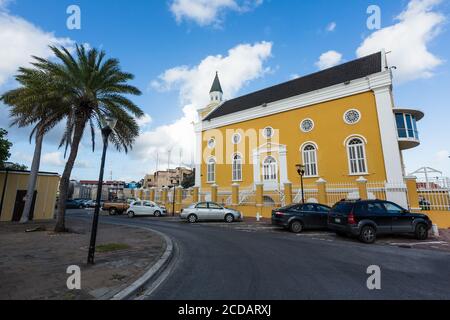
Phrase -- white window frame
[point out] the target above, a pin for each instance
(352, 123)
(211, 170)
(236, 167)
(303, 121)
(270, 170)
(357, 156)
(310, 160)
(211, 143)
(239, 136)
(264, 133)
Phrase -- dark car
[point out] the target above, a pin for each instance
(299, 217)
(74, 204)
(366, 219)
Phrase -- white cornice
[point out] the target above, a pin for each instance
(376, 81)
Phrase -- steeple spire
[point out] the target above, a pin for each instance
(216, 92)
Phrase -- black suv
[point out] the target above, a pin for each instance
(368, 218)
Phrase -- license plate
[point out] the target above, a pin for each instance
(338, 220)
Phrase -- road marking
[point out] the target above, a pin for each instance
(417, 243)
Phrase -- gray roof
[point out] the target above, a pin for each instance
(349, 71)
(216, 87)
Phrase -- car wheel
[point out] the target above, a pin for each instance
(131, 214)
(192, 218)
(229, 218)
(157, 214)
(368, 234)
(296, 227)
(421, 232)
(113, 211)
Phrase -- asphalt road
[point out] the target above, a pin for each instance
(226, 264)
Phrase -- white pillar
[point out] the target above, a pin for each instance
(256, 167)
(283, 167)
(198, 155)
(389, 142)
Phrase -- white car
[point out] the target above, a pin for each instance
(145, 208)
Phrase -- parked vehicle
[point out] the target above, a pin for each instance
(89, 204)
(146, 208)
(366, 219)
(299, 217)
(209, 211)
(118, 206)
(73, 204)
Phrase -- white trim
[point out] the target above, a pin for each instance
(347, 140)
(232, 167)
(316, 162)
(348, 146)
(344, 116)
(208, 172)
(309, 142)
(264, 133)
(312, 128)
(234, 135)
(214, 143)
(372, 82)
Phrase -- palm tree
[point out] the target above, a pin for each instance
(33, 104)
(92, 88)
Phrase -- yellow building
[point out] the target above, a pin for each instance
(340, 123)
(13, 188)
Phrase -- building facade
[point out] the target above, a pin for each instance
(341, 124)
(168, 178)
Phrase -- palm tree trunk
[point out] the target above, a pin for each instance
(65, 179)
(33, 177)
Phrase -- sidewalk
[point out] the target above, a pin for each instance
(33, 265)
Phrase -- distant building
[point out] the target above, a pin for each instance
(166, 178)
(111, 190)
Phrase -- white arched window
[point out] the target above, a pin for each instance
(270, 169)
(211, 171)
(356, 149)
(237, 167)
(310, 160)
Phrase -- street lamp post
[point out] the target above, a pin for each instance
(301, 173)
(108, 125)
(174, 186)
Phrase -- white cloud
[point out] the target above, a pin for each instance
(242, 64)
(331, 27)
(408, 39)
(442, 156)
(55, 159)
(20, 40)
(4, 4)
(329, 59)
(144, 121)
(207, 12)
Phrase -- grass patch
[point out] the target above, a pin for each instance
(112, 247)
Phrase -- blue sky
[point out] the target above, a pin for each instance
(174, 46)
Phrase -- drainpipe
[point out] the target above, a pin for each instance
(4, 191)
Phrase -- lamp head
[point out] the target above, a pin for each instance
(108, 122)
(300, 169)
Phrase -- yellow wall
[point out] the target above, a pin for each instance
(329, 134)
(47, 187)
(441, 218)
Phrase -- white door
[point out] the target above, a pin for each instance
(270, 173)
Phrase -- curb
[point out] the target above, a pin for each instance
(151, 273)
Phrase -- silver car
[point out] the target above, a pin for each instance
(209, 211)
(145, 208)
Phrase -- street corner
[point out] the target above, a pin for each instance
(57, 269)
